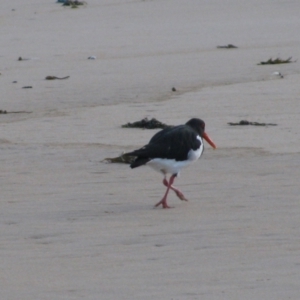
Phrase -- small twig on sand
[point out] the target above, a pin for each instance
(4, 112)
(229, 46)
(54, 77)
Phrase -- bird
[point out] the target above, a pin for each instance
(170, 150)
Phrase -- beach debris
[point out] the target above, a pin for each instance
(4, 112)
(122, 159)
(229, 46)
(277, 61)
(146, 124)
(54, 77)
(15, 81)
(72, 4)
(277, 73)
(27, 87)
(174, 89)
(92, 57)
(21, 58)
(245, 122)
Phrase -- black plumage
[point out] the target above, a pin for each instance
(172, 143)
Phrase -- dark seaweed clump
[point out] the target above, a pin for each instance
(245, 122)
(146, 124)
(276, 61)
(123, 159)
(72, 4)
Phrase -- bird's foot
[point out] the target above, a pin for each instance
(180, 195)
(163, 203)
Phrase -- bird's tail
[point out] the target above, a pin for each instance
(139, 161)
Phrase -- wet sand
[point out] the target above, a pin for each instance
(73, 227)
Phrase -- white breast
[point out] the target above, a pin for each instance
(195, 154)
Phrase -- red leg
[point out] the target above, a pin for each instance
(163, 201)
(178, 192)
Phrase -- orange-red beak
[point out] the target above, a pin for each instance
(207, 138)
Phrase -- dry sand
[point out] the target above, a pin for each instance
(73, 227)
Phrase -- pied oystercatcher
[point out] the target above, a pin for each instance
(171, 149)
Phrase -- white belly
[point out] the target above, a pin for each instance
(165, 165)
(172, 166)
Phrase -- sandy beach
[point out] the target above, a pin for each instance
(75, 227)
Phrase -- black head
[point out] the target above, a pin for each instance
(198, 125)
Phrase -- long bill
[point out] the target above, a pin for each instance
(207, 138)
